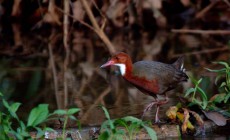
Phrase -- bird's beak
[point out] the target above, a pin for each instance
(109, 63)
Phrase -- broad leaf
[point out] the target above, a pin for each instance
(151, 132)
(72, 111)
(38, 115)
(60, 112)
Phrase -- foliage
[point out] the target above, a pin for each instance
(225, 85)
(203, 104)
(37, 116)
(112, 129)
(224, 88)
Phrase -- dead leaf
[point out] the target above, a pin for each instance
(199, 120)
(171, 112)
(180, 116)
(185, 120)
(216, 117)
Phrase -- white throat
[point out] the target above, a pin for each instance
(122, 68)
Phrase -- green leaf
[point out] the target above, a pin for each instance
(222, 63)
(104, 136)
(189, 91)
(49, 129)
(203, 94)
(217, 71)
(14, 107)
(72, 111)
(60, 112)
(218, 98)
(199, 81)
(226, 98)
(151, 132)
(108, 117)
(38, 115)
(132, 119)
(40, 132)
(5, 103)
(1, 94)
(72, 117)
(106, 112)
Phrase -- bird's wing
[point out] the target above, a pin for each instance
(167, 75)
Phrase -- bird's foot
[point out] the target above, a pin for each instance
(148, 107)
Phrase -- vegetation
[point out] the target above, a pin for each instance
(13, 127)
(221, 98)
(114, 129)
(50, 50)
(110, 129)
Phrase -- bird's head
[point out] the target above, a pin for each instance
(122, 60)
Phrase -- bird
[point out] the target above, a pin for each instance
(150, 77)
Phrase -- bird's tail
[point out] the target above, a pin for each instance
(179, 64)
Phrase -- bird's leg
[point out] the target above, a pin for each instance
(159, 103)
(148, 107)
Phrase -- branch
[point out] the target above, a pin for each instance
(58, 97)
(97, 29)
(202, 52)
(67, 50)
(212, 32)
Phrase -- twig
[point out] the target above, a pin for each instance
(227, 2)
(58, 97)
(202, 52)
(205, 10)
(99, 99)
(82, 22)
(97, 29)
(212, 32)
